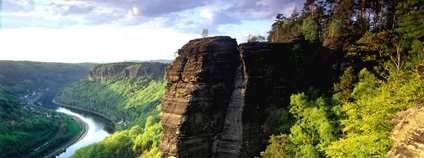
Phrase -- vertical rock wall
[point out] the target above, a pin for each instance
(407, 136)
(266, 69)
(197, 96)
(223, 100)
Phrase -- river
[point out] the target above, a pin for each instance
(98, 126)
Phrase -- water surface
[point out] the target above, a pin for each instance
(98, 126)
(96, 132)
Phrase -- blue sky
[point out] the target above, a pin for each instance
(118, 30)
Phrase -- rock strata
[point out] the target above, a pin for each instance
(197, 96)
(222, 99)
(408, 134)
(127, 70)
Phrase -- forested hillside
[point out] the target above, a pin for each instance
(22, 77)
(128, 93)
(25, 127)
(377, 44)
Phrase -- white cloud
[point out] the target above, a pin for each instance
(98, 30)
(206, 13)
(80, 44)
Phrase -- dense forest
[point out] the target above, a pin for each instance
(128, 93)
(377, 43)
(23, 77)
(24, 126)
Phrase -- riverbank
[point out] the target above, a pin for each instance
(81, 134)
(86, 110)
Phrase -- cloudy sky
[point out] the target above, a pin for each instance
(118, 30)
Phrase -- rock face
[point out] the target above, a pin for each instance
(127, 70)
(221, 100)
(197, 96)
(407, 136)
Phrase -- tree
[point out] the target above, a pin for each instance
(344, 12)
(333, 33)
(255, 38)
(309, 29)
(309, 7)
(285, 28)
(205, 33)
(312, 132)
(366, 121)
(279, 147)
(343, 89)
(410, 29)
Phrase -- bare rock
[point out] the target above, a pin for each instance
(408, 134)
(197, 96)
(223, 100)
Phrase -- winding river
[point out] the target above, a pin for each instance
(98, 126)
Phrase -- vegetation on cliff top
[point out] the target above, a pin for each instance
(130, 94)
(355, 121)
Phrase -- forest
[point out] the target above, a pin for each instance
(132, 102)
(24, 126)
(377, 43)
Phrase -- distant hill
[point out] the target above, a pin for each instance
(160, 60)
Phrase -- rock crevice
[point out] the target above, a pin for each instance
(222, 99)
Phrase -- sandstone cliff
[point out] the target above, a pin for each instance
(407, 136)
(127, 70)
(222, 99)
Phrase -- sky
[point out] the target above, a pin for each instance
(119, 30)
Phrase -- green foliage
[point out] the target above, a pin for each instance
(205, 33)
(135, 142)
(123, 96)
(410, 20)
(312, 132)
(310, 29)
(384, 37)
(334, 30)
(366, 121)
(279, 147)
(24, 127)
(129, 98)
(28, 127)
(285, 28)
(21, 77)
(343, 89)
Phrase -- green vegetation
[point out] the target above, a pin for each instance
(135, 142)
(131, 97)
(23, 77)
(205, 33)
(23, 129)
(355, 120)
(24, 126)
(69, 130)
(71, 127)
(129, 100)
